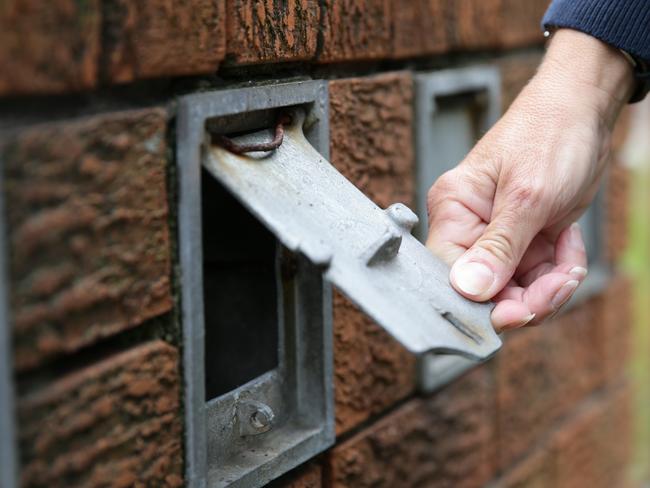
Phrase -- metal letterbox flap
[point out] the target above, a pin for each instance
(367, 252)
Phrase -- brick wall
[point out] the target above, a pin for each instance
(87, 95)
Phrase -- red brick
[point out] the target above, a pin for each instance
(475, 24)
(516, 71)
(356, 30)
(485, 24)
(520, 22)
(543, 372)
(618, 327)
(48, 46)
(371, 370)
(309, 476)
(592, 448)
(157, 38)
(371, 129)
(371, 137)
(616, 211)
(419, 28)
(89, 240)
(536, 470)
(425, 27)
(269, 31)
(444, 440)
(115, 423)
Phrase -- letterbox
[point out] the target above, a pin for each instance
(263, 235)
(453, 109)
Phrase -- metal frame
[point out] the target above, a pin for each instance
(435, 370)
(312, 358)
(439, 84)
(8, 441)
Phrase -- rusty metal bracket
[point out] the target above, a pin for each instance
(264, 146)
(273, 423)
(368, 253)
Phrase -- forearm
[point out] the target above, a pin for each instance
(586, 68)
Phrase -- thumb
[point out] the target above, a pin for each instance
(487, 267)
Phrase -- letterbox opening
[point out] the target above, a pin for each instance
(256, 315)
(453, 108)
(240, 292)
(265, 421)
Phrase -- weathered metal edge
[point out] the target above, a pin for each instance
(8, 441)
(428, 85)
(193, 110)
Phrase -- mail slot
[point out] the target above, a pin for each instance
(256, 315)
(453, 108)
(264, 233)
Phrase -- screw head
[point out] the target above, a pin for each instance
(260, 419)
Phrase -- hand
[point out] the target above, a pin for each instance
(504, 218)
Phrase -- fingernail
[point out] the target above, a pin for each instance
(564, 293)
(472, 278)
(578, 272)
(519, 323)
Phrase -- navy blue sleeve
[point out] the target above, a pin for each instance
(624, 24)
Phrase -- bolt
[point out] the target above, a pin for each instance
(254, 417)
(260, 420)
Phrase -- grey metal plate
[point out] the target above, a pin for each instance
(313, 209)
(444, 135)
(8, 444)
(311, 430)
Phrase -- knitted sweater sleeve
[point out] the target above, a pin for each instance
(624, 24)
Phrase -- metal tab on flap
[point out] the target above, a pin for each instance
(367, 252)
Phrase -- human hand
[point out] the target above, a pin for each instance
(504, 217)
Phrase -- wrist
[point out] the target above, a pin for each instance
(591, 69)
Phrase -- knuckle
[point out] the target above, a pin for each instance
(445, 186)
(530, 196)
(499, 243)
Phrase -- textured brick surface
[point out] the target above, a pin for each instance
(370, 124)
(475, 24)
(592, 449)
(308, 476)
(484, 24)
(371, 135)
(520, 22)
(156, 38)
(355, 29)
(419, 28)
(424, 27)
(542, 372)
(516, 71)
(619, 323)
(616, 211)
(113, 424)
(439, 441)
(536, 470)
(48, 45)
(270, 31)
(371, 370)
(89, 242)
